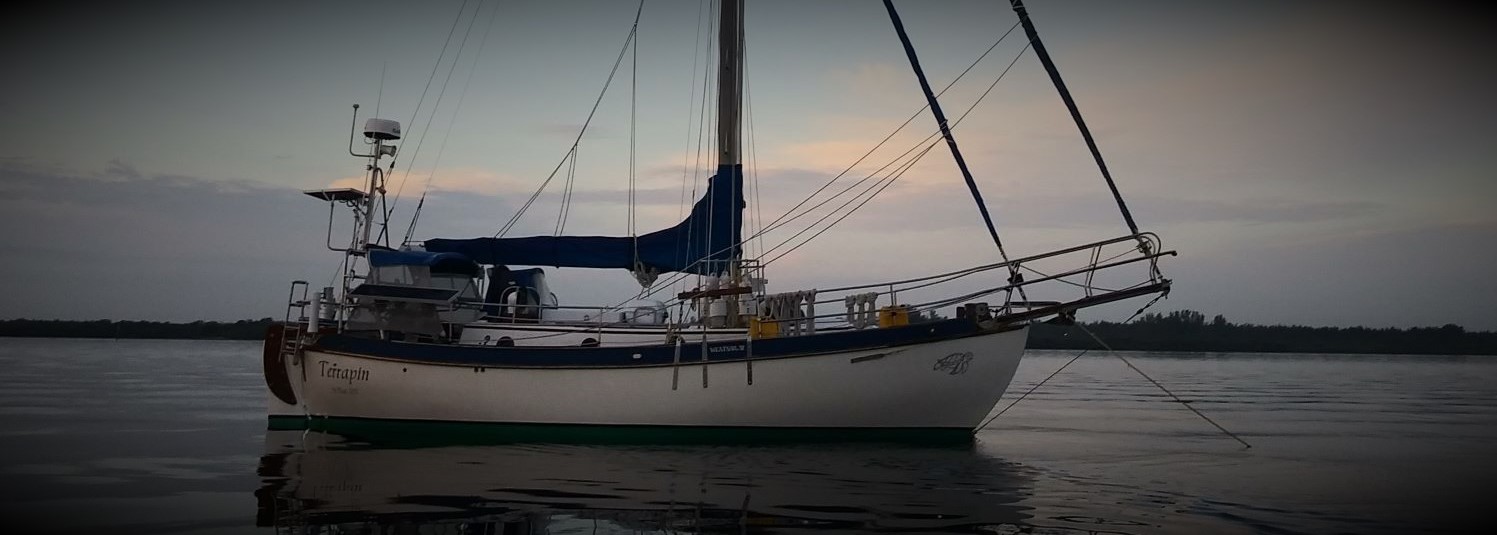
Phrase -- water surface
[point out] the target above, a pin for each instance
(168, 437)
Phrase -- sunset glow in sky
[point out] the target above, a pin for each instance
(1323, 163)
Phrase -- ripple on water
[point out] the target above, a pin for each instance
(96, 436)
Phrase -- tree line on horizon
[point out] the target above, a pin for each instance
(1181, 330)
(197, 330)
(1189, 331)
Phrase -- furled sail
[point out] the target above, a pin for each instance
(707, 242)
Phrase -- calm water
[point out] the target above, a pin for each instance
(168, 437)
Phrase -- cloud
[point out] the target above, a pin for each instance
(874, 82)
(451, 179)
(569, 131)
(1423, 276)
(119, 169)
(943, 202)
(122, 243)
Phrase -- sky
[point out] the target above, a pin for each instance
(1317, 163)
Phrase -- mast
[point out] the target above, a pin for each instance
(378, 134)
(729, 108)
(729, 82)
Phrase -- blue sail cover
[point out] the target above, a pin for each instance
(438, 262)
(705, 243)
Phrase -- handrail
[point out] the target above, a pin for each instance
(1132, 237)
(943, 302)
(1148, 241)
(1074, 272)
(953, 275)
(601, 308)
(1149, 246)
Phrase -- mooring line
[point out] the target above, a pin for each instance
(1031, 390)
(1162, 388)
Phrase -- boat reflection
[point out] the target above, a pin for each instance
(316, 482)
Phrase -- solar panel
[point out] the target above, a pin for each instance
(338, 194)
(408, 294)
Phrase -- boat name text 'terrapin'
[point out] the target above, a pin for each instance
(331, 370)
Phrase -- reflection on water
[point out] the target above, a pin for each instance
(324, 480)
(150, 436)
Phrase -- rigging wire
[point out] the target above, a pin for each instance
(891, 180)
(1073, 359)
(383, 233)
(748, 101)
(940, 117)
(633, 131)
(898, 171)
(379, 97)
(565, 208)
(462, 96)
(704, 134)
(1160, 386)
(886, 182)
(1032, 389)
(851, 187)
(691, 103)
(688, 174)
(913, 116)
(1065, 96)
(781, 220)
(734, 167)
(715, 136)
(1077, 284)
(606, 83)
(682, 275)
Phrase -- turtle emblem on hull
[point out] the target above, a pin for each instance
(954, 364)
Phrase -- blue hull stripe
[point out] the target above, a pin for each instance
(653, 355)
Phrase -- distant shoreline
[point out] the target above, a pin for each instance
(160, 330)
(1181, 331)
(1189, 331)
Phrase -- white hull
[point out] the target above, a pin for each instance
(908, 386)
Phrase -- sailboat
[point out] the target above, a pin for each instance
(467, 330)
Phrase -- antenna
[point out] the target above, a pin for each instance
(352, 125)
(380, 96)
